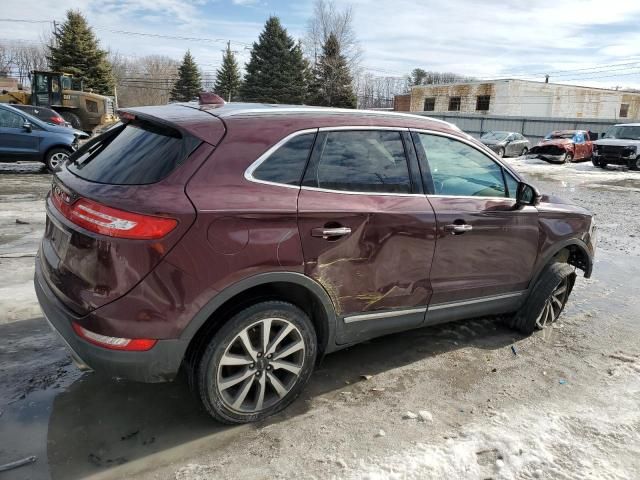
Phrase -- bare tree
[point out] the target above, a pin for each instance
(378, 92)
(145, 80)
(18, 59)
(328, 19)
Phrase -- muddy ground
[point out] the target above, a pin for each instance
(564, 403)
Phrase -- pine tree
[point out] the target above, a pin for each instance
(228, 77)
(276, 72)
(76, 50)
(189, 83)
(332, 85)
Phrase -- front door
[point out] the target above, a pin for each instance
(367, 230)
(17, 142)
(486, 247)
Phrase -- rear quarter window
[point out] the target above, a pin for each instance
(286, 165)
(135, 153)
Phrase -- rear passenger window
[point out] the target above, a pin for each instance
(286, 164)
(460, 170)
(361, 161)
(135, 153)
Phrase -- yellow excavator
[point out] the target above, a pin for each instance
(65, 94)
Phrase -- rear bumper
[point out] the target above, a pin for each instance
(159, 364)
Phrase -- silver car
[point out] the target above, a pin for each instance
(506, 144)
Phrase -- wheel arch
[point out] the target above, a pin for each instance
(292, 287)
(573, 251)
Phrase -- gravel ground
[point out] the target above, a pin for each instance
(466, 400)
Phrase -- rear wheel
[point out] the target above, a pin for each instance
(257, 363)
(634, 164)
(56, 157)
(73, 119)
(547, 299)
(524, 151)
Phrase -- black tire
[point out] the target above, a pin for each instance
(599, 164)
(568, 158)
(524, 151)
(54, 158)
(73, 119)
(501, 152)
(526, 320)
(634, 164)
(214, 395)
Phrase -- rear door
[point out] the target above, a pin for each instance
(367, 229)
(16, 142)
(486, 247)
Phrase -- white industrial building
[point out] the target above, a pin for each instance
(521, 98)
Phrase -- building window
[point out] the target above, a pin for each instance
(482, 102)
(454, 104)
(624, 110)
(429, 104)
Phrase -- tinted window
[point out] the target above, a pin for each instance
(512, 184)
(10, 119)
(131, 154)
(458, 169)
(286, 164)
(362, 161)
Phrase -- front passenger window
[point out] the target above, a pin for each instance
(10, 119)
(460, 170)
(368, 161)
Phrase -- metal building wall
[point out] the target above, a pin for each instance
(532, 128)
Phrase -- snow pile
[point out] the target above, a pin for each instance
(580, 171)
(528, 443)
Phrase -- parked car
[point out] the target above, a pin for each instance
(25, 137)
(565, 146)
(620, 145)
(506, 144)
(44, 114)
(243, 242)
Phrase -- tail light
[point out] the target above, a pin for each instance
(114, 343)
(57, 119)
(112, 222)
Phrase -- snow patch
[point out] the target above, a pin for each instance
(524, 443)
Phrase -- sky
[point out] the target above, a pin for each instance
(585, 42)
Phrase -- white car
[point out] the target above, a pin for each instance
(620, 145)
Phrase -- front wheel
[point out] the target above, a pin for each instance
(55, 158)
(524, 151)
(501, 152)
(547, 299)
(567, 158)
(73, 119)
(634, 164)
(257, 363)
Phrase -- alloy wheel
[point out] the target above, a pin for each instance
(554, 305)
(58, 159)
(261, 365)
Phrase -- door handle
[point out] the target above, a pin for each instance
(457, 229)
(328, 233)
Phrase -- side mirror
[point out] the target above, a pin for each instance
(27, 127)
(527, 195)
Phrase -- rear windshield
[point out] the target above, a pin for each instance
(134, 153)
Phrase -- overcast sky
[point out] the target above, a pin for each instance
(485, 39)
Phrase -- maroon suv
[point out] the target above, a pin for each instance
(243, 242)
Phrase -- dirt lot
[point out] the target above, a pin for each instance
(560, 404)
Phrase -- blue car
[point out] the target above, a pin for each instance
(25, 137)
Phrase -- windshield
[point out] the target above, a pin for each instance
(623, 132)
(495, 136)
(554, 135)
